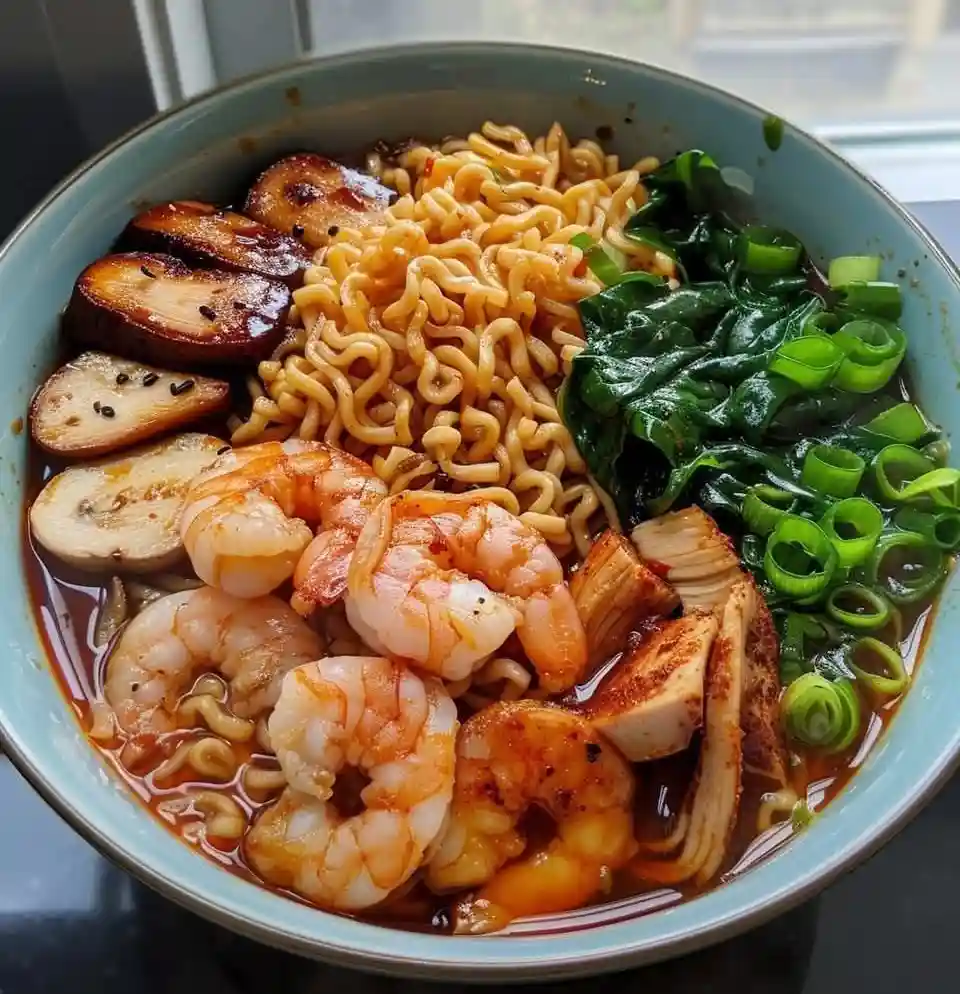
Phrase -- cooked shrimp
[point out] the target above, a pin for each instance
(509, 757)
(248, 520)
(398, 730)
(160, 653)
(443, 579)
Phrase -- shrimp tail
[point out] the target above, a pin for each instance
(320, 578)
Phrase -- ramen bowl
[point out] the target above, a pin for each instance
(210, 149)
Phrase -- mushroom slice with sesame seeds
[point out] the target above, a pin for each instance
(203, 235)
(153, 308)
(98, 403)
(122, 513)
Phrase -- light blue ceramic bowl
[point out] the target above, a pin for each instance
(209, 149)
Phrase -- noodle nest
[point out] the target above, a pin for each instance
(433, 345)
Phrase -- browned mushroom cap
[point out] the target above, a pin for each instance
(203, 235)
(156, 309)
(306, 195)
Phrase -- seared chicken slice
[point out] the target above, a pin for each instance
(652, 702)
(307, 195)
(764, 752)
(688, 550)
(203, 235)
(156, 309)
(98, 403)
(712, 804)
(613, 590)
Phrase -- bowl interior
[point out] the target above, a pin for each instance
(211, 149)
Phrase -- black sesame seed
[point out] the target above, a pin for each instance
(96, 406)
(178, 388)
(107, 411)
(298, 230)
(134, 687)
(208, 312)
(122, 378)
(593, 751)
(222, 449)
(146, 272)
(334, 229)
(150, 379)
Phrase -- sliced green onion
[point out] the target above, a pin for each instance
(601, 265)
(832, 471)
(800, 559)
(878, 299)
(801, 816)
(873, 351)
(853, 526)
(937, 451)
(942, 528)
(857, 606)
(822, 323)
(768, 251)
(811, 361)
(764, 506)
(878, 666)
(853, 268)
(906, 566)
(901, 423)
(821, 713)
(904, 474)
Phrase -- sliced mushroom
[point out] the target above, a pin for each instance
(99, 403)
(713, 801)
(306, 195)
(203, 235)
(651, 704)
(688, 550)
(156, 309)
(613, 589)
(122, 513)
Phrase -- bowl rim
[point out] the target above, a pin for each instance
(482, 959)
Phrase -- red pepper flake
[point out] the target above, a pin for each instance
(428, 165)
(581, 269)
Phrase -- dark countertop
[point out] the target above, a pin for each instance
(72, 921)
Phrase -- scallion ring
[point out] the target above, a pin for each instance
(904, 474)
(901, 423)
(942, 528)
(800, 559)
(764, 506)
(811, 360)
(601, 264)
(906, 567)
(873, 350)
(878, 666)
(850, 268)
(768, 251)
(853, 526)
(873, 297)
(832, 471)
(857, 606)
(821, 713)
